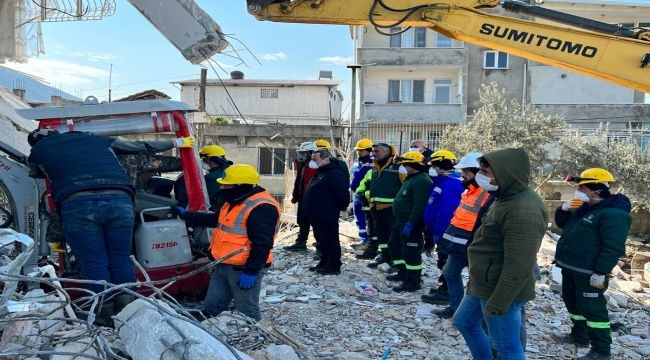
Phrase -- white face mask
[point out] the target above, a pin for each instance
(484, 182)
(206, 166)
(415, 149)
(313, 164)
(432, 172)
(402, 170)
(581, 196)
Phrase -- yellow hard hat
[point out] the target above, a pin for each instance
(411, 157)
(595, 175)
(212, 151)
(240, 174)
(443, 155)
(322, 144)
(363, 144)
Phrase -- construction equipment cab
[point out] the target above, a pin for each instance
(604, 51)
(162, 243)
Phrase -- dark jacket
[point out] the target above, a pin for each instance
(327, 193)
(77, 161)
(304, 174)
(593, 236)
(261, 225)
(503, 253)
(411, 199)
(211, 185)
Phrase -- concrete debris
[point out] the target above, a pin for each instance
(354, 315)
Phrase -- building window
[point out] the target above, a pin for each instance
(442, 91)
(443, 41)
(406, 91)
(495, 60)
(272, 161)
(411, 38)
(268, 93)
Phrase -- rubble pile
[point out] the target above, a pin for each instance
(354, 315)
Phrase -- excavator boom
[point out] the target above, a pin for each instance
(608, 52)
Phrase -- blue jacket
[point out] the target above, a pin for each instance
(359, 170)
(444, 197)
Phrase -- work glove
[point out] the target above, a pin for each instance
(597, 281)
(184, 142)
(246, 281)
(179, 211)
(572, 204)
(407, 229)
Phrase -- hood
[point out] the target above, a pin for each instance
(511, 167)
(618, 201)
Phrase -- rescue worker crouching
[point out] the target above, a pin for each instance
(248, 218)
(406, 241)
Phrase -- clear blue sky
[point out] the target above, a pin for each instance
(78, 55)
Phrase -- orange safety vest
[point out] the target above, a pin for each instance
(470, 204)
(231, 234)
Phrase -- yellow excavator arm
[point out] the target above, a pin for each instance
(608, 52)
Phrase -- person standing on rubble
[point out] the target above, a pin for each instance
(359, 170)
(406, 241)
(248, 219)
(502, 257)
(594, 224)
(304, 174)
(326, 196)
(94, 197)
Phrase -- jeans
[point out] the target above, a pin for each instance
(452, 271)
(503, 329)
(224, 289)
(99, 230)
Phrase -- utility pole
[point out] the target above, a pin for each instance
(110, 77)
(353, 102)
(202, 85)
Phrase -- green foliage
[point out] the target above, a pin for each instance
(500, 124)
(218, 120)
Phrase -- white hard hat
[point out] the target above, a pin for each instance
(470, 160)
(307, 146)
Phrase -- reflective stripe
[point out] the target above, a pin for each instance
(398, 262)
(598, 325)
(383, 246)
(382, 200)
(477, 204)
(454, 239)
(578, 317)
(238, 226)
(414, 267)
(365, 208)
(232, 230)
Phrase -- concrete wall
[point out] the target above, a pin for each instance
(550, 85)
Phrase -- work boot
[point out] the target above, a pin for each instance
(329, 270)
(317, 255)
(368, 254)
(297, 246)
(400, 275)
(412, 283)
(104, 313)
(321, 264)
(594, 355)
(570, 339)
(382, 258)
(445, 313)
(360, 245)
(437, 298)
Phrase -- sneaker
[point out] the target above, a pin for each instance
(298, 246)
(376, 263)
(445, 313)
(570, 339)
(317, 267)
(593, 355)
(438, 298)
(329, 271)
(408, 287)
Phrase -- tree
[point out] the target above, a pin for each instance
(500, 124)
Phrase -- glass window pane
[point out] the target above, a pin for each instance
(395, 40)
(393, 90)
(443, 41)
(278, 161)
(420, 37)
(503, 60)
(418, 91)
(442, 91)
(406, 91)
(407, 38)
(265, 161)
(489, 59)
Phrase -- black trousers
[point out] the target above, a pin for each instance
(327, 234)
(383, 221)
(302, 218)
(588, 308)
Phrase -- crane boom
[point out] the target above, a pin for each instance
(604, 51)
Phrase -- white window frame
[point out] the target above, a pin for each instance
(268, 93)
(440, 84)
(496, 57)
(407, 39)
(406, 91)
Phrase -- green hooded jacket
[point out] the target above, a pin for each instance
(503, 253)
